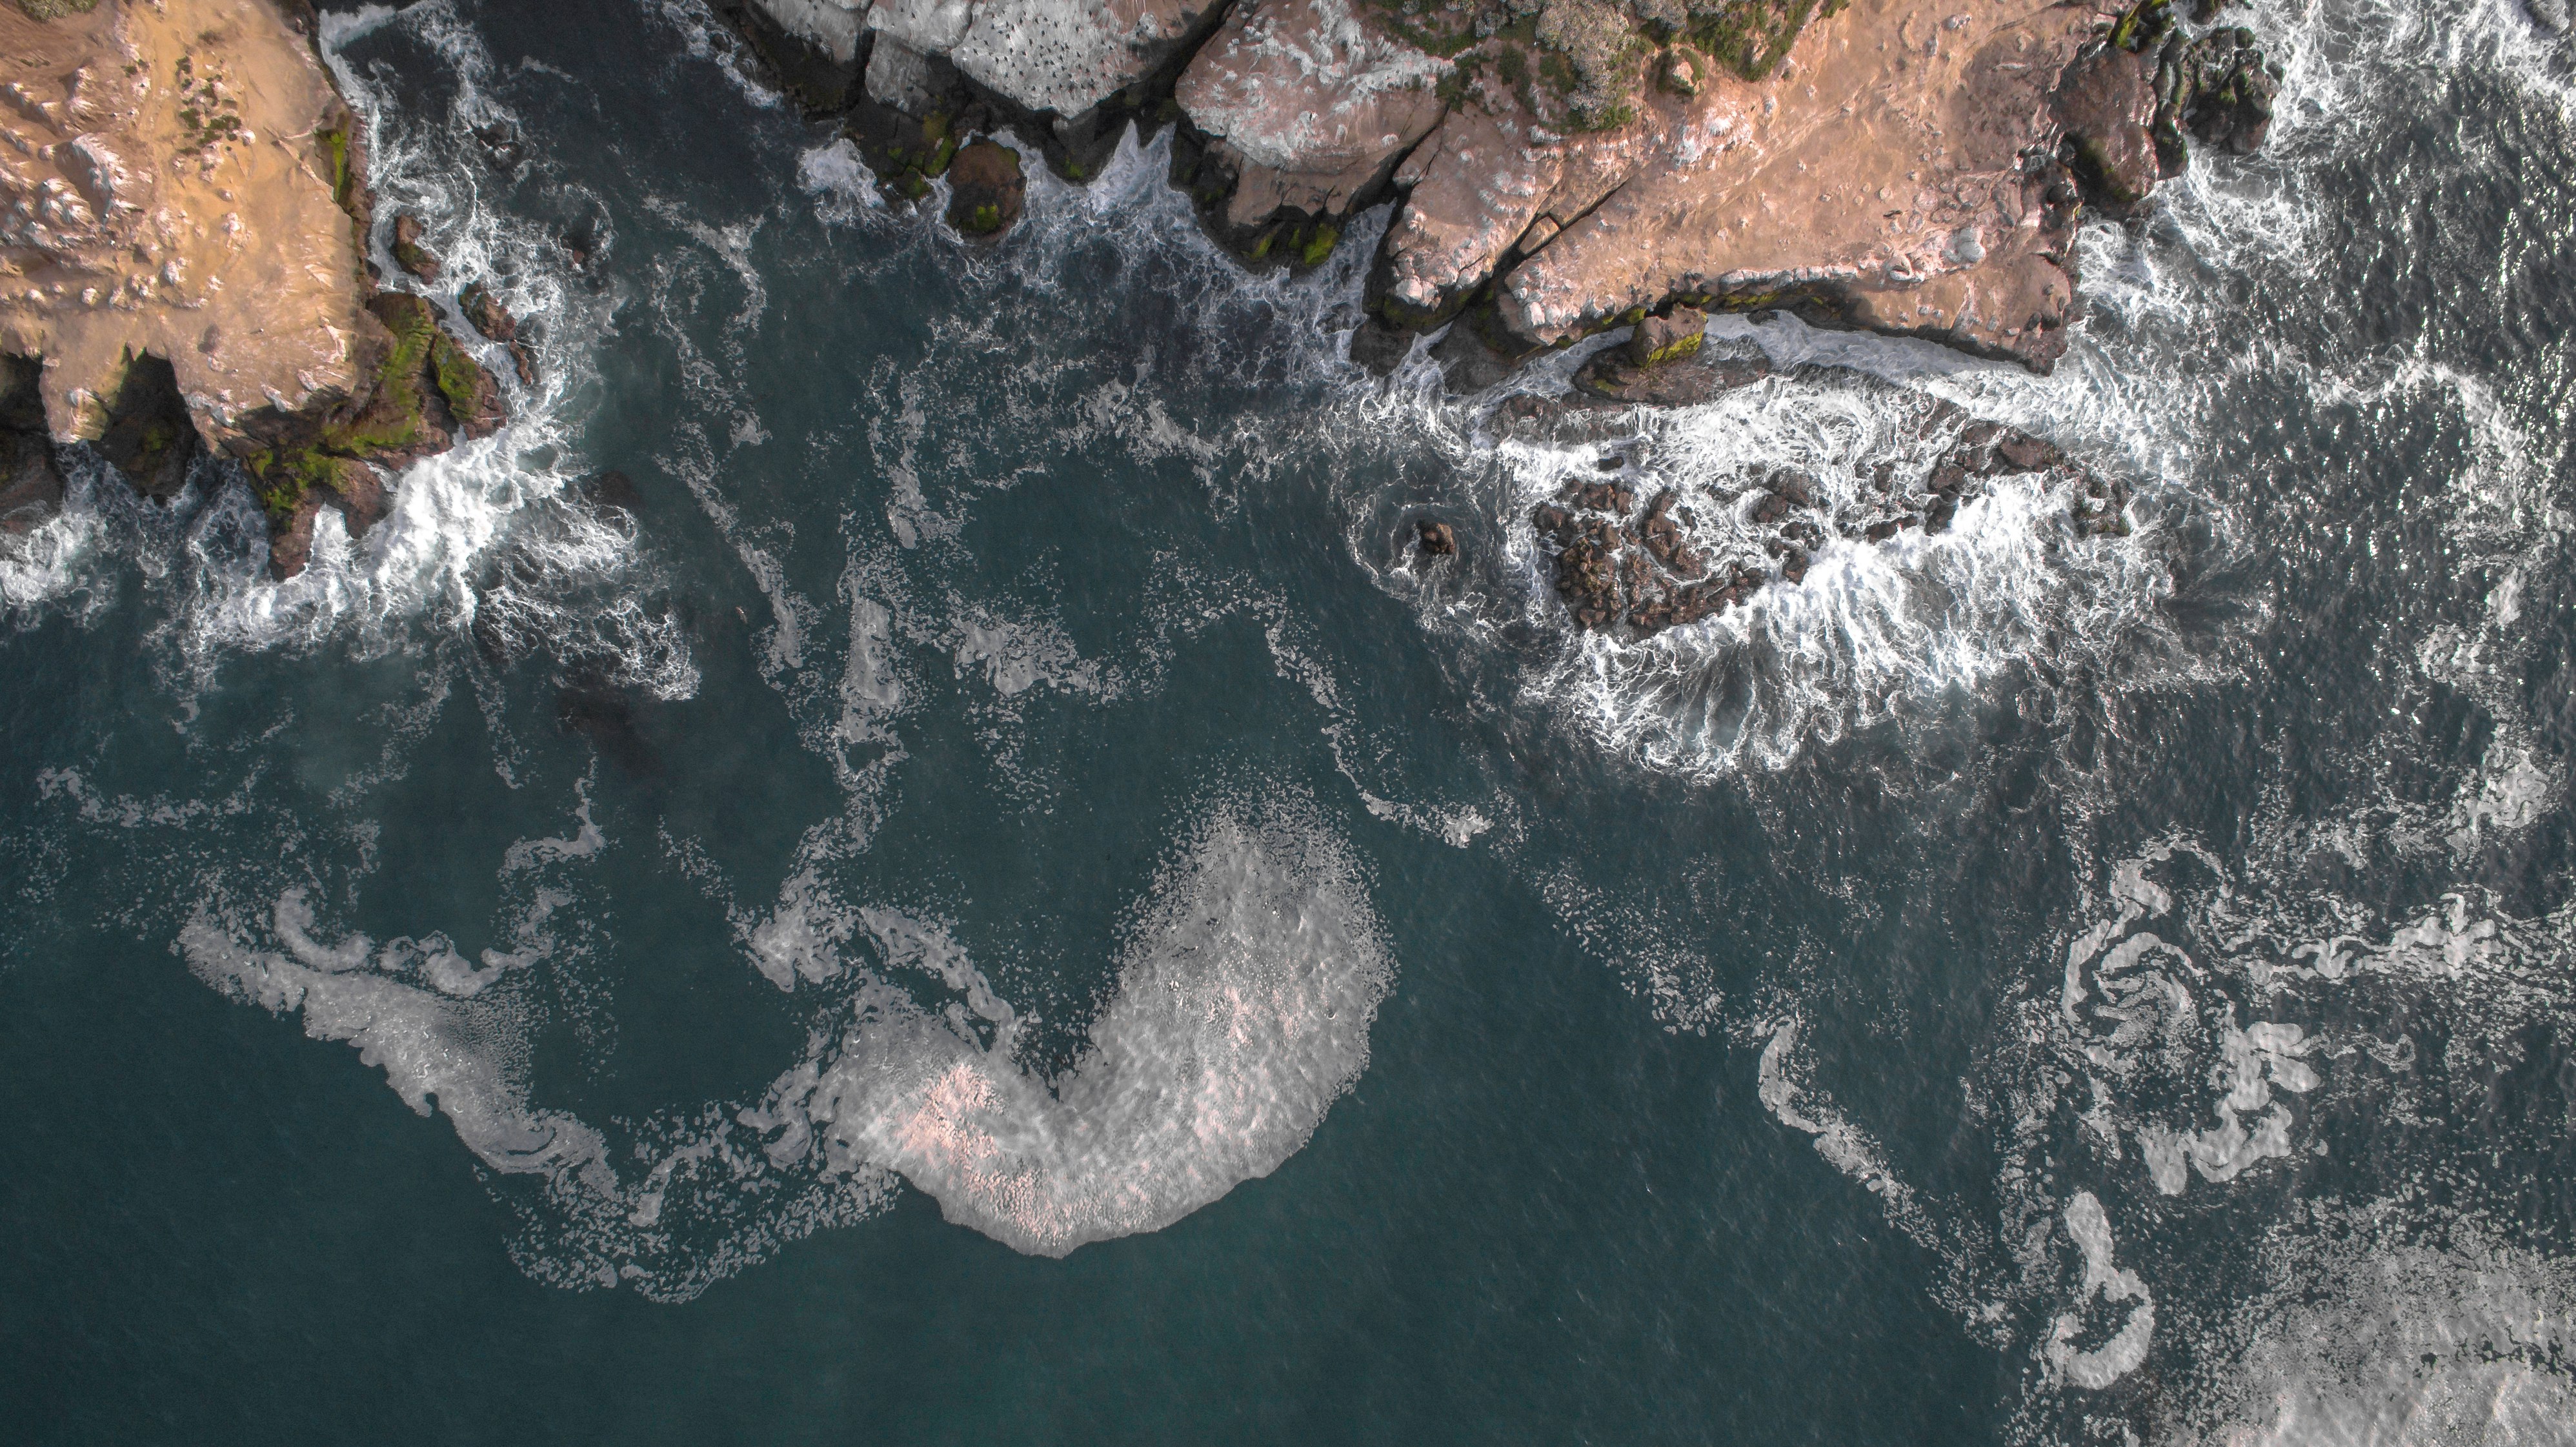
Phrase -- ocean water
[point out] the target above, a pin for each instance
(1001, 901)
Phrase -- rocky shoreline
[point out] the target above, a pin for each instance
(183, 267)
(1564, 168)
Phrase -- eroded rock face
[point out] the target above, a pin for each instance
(1307, 108)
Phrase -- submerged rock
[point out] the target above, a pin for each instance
(613, 490)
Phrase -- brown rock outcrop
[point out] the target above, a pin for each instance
(182, 202)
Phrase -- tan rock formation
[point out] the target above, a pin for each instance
(168, 187)
(1311, 106)
(181, 213)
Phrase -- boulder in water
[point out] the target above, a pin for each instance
(1436, 539)
(2217, 90)
(409, 253)
(985, 189)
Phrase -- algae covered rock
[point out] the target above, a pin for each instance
(1661, 339)
(2218, 90)
(985, 189)
(420, 394)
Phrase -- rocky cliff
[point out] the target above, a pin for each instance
(1562, 167)
(183, 218)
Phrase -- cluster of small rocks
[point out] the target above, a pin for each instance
(2132, 104)
(1637, 570)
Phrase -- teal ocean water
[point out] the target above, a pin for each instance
(989, 894)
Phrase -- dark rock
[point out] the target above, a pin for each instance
(350, 487)
(908, 153)
(2025, 453)
(31, 483)
(1793, 485)
(1612, 376)
(487, 315)
(1379, 346)
(149, 436)
(986, 189)
(1467, 364)
(819, 84)
(502, 145)
(578, 247)
(409, 254)
(613, 489)
(2217, 90)
(1436, 539)
(31, 486)
(1614, 570)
